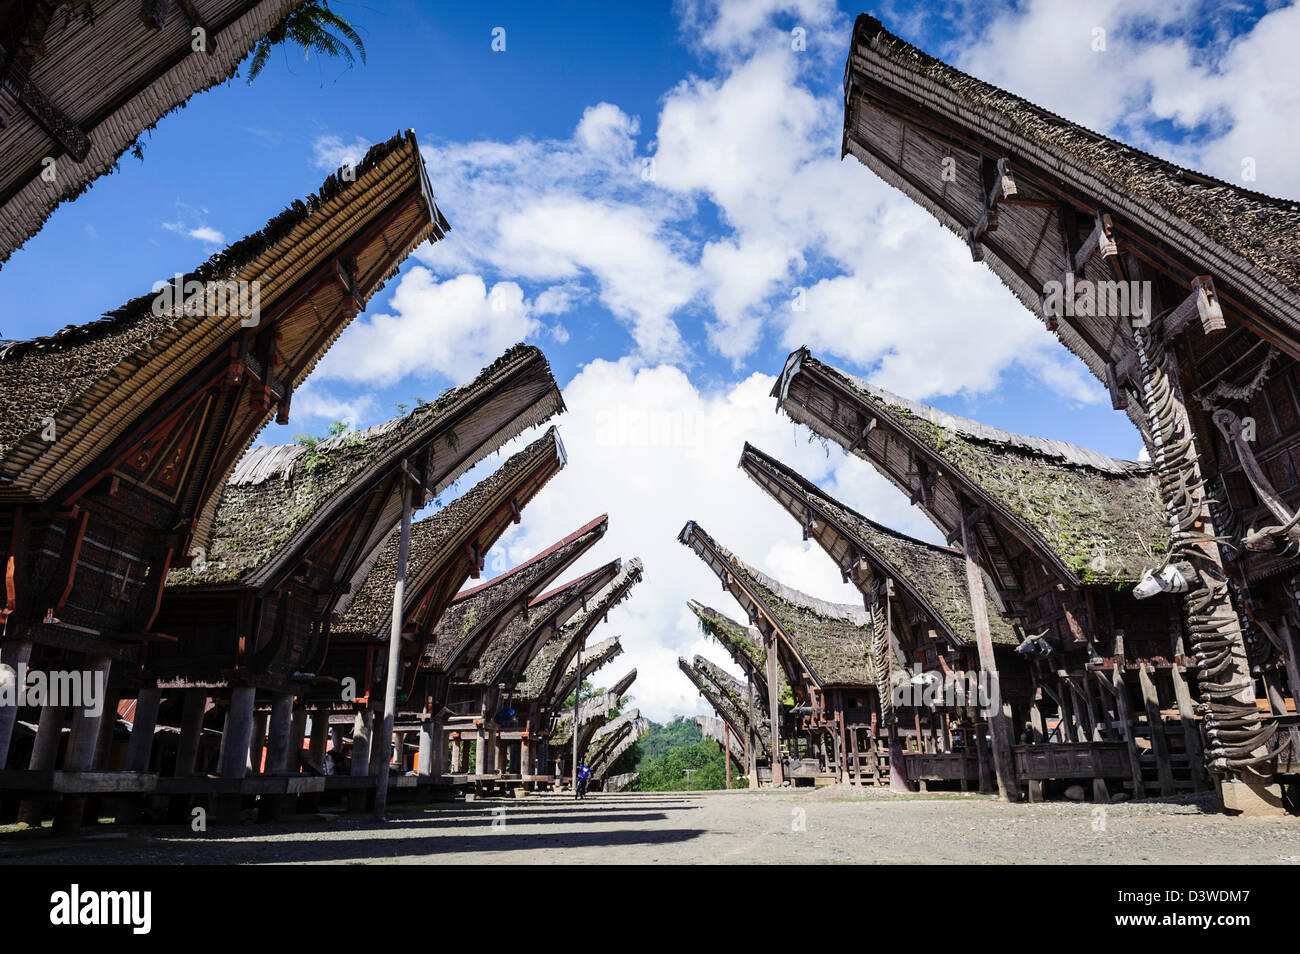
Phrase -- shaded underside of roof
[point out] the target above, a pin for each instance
(275, 490)
(1099, 517)
(907, 112)
(111, 77)
(832, 638)
(372, 607)
(481, 608)
(543, 612)
(552, 653)
(731, 708)
(935, 576)
(95, 381)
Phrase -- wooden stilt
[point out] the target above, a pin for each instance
(14, 657)
(83, 744)
(1159, 744)
(44, 756)
(394, 652)
(999, 711)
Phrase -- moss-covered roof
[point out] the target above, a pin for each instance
(63, 373)
(553, 652)
(1263, 230)
(741, 642)
(935, 575)
(476, 610)
(832, 638)
(276, 489)
(371, 609)
(731, 706)
(1101, 517)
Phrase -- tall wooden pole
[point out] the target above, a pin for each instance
(394, 654)
(774, 712)
(751, 754)
(998, 712)
(577, 694)
(726, 749)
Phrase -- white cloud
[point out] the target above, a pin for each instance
(201, 233)
(1234, 92)
(654, 451)
(434, 328)
(331, 152)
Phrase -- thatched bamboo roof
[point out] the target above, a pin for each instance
(716, 730)
(280, 497)
(610, 754)
(505, 659)
(96, 382)
(830, 640)
(933, 576)
(478, 616)
(906, 113)
(476, 519)
(559, 677)
(730, 708)
(100, 81)
(598, 708)
(1096, 519)
(550, 664)
(743, 644)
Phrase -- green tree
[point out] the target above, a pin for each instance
(312, 26)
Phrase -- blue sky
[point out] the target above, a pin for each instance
(643, 190)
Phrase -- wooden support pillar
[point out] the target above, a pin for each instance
(427, 731)
(44, 756)
(14, 657)
(257, 747)
(1126, 718)
(320, 734)
(193, 709)
(751, 735)
(1159, 744)
(236, 737)
(1191, 728)
(774, 710)
(999, 711)
(526, 766)
(279, 730)
(394, 647)
(139, 750)
(898, 780)
(1292, 664)
(297, 735)
(482, 752)
(83, 744)
(362, 728)
(456, 767)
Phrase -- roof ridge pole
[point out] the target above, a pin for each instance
(998, 712)
(394, 650)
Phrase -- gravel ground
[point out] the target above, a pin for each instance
(738, 827)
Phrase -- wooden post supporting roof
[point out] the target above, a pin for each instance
(999, 711)
(394, 650)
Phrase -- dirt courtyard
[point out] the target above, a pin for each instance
(833, 825)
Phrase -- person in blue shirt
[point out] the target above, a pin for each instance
(584, 776)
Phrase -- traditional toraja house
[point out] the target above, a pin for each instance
(502, 667)
(296, 531)
(479, 616)
(1181, 293)
(611, 741)
(1056, 537)
(565, 662)
(79, 83)
(117, 435)
(744, 645)
(741, 713)
(446, 549)
(821, 647)
(593, 714)
(919, 600)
